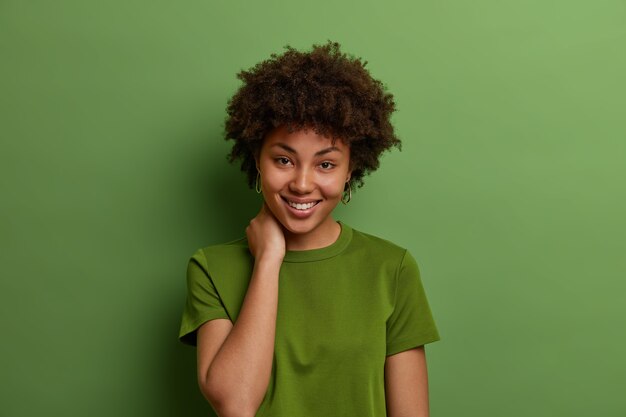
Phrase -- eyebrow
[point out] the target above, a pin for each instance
(318, 153)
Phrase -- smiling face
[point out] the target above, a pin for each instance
(303, 176)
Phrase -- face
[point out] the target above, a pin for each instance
(303, 176)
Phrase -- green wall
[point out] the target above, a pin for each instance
(509, 191)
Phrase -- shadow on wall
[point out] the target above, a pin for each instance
(182, 396)
(230, 205)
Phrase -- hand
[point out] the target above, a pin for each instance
(266, 238)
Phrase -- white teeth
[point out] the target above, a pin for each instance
(302, 206)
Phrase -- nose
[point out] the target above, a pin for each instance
(302, 182)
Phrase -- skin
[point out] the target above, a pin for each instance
(406, 384)
(303, 166)
(235, 360)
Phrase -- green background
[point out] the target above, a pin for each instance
(509, 191)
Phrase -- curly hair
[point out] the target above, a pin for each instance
(323, 89)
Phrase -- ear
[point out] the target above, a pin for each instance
(256, 153)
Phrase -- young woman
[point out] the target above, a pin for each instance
(306, 316)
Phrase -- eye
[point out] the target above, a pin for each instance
(282, 160)
(327, 165)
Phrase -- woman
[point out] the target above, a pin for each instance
(306, 316)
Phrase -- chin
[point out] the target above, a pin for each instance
(299, 227)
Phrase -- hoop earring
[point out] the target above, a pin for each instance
(343, 197)
(257, 187)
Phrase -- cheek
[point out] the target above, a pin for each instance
(333, 188)
(274, 182)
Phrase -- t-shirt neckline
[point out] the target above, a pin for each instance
(326, 252)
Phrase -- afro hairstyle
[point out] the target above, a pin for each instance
(323, 89)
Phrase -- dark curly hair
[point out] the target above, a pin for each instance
(323, 89)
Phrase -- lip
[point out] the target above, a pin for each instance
(301, 213)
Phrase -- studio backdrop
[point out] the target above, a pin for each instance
(509, 191)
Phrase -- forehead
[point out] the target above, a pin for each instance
(302, 140)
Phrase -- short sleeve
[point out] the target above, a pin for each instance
(203, 302)
(411, 323)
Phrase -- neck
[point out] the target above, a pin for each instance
(323, 235)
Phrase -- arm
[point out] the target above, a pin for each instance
(235, 376)
(235, 361)
(406, 384)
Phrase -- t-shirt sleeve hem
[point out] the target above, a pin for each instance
(187, 334)
(410, 343)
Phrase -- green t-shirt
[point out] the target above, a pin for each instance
(341, 310)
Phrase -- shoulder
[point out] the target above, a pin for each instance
(232, 250)
(368, 239)
(233, 245)
(378, 246)
(227, 263)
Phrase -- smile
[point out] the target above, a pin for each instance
(301, 206)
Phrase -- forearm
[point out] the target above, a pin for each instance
(240, 372)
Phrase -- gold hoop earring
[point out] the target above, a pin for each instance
(257, 186)
(343, 197)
